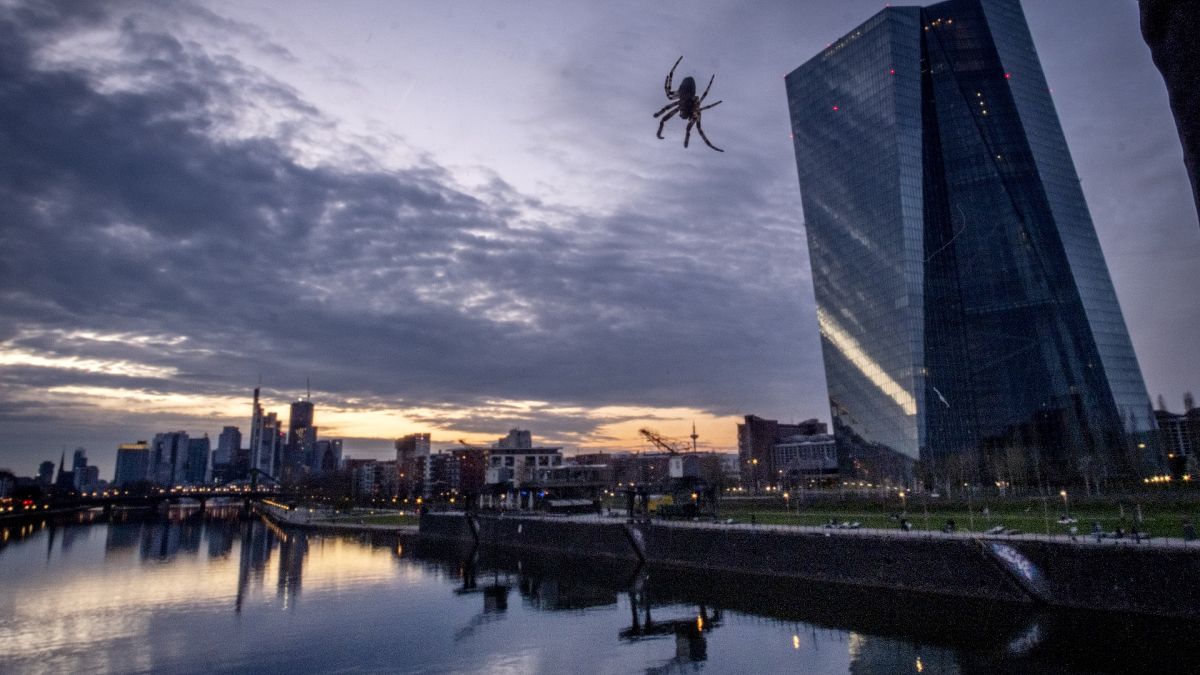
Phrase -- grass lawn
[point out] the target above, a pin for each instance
(1158, 522)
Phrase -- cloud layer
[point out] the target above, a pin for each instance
(458, 219)
(176, 222)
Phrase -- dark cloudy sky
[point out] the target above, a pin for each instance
(454, 217)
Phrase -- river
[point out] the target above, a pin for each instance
(187, 592)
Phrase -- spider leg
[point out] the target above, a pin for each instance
(700, 128)
(667, 85)
(705, 94)
(712, 105)
(664, 121)
(688, 135)
(666, 108)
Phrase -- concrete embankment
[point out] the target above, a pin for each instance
(314, 520)
(1150, 580)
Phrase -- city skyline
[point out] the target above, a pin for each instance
(199, 194)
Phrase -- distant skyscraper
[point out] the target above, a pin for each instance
(228, 443)
(328, 452)
(79, 468)
(967, 317)
(301, 437)
(256, 459)
(196, 471)
(412, 445)
(133, 463)
(265, 444)
(516, 439)
(168, 458)
(91, 477)
(45, 473)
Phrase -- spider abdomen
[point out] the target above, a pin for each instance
(687, 98)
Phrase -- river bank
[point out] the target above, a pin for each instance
(1154, 578)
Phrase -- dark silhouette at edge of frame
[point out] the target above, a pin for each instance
(1169, 28)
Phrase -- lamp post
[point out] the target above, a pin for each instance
(970, 510)
(1066, 504)
(757, 483)
(787, 502)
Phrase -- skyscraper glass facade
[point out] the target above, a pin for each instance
(967, 316)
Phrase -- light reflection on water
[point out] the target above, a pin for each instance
(219, 591)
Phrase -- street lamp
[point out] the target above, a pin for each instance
(1066, 504)
(970, 509)
(787, 502)
(903, 503)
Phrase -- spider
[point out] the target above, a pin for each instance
(687, 105)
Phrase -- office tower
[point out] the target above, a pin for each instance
(133, 463)
(196, 471)
(306, 449)
(168, 458)
(516, 439)
(45, 474)
(328, 452)
(265, 445)
(229, 461)
(90, 477)
(255, 431)
(967, 316)
(79, 468)
(270, 449)
(411, 446)
(301, 436)
(228, 443)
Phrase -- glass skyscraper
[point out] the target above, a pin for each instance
(969, 326)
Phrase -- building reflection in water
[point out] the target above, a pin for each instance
(293, 547)
(257, 542)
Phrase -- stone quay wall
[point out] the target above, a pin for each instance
(1149, 580)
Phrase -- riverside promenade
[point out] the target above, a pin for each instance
(315, 519)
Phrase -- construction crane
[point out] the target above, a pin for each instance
(659, 442)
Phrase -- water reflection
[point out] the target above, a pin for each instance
(183, 591)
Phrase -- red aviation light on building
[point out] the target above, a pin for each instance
(1008, 76)
(835, 108)
(891, 71)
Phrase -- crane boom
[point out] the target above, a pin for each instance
(659, 442)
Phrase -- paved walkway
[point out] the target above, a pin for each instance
(1079, 540)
